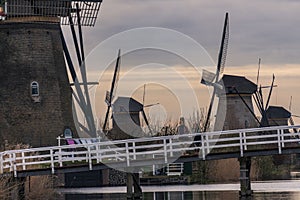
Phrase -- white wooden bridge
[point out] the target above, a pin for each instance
(152, 150)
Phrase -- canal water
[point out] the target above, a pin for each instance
(270, 190)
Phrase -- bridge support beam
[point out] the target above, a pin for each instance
(20, 188)
(245, 166)
(134, 190)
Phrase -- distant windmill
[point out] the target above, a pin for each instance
(270, 115)
(259, 99)
(211, 79)
(123, 105)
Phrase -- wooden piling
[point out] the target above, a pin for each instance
(245, 182)
(134, 190)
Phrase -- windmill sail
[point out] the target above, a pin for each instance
(208, 78)
(143, 111)
(220, 66)
(88, 113)
(258, 71)
(107, 98)
(224, 46)
(270, 93)
(80, 94)
(109, 95)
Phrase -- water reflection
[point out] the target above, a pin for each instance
(198, 195)
(268, 190)
(190, 195)
(277, 196)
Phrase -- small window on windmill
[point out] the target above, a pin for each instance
(35, 93)
(68, 133)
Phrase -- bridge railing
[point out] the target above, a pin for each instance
(166, 149)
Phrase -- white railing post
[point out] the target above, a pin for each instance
(99, 159)
(90, 157)
(171, 147)
(127, 154)
(58, 140)
(207, 143)
(203, 146)
(279, 142)
(241, 144)
(165, 150)
(60, 158)
(23, 161)
(52, 160)
(72, 155)
(153, 170)
(14, 165)
(153, 166)
(1, 163)
(134, 150)
(5, 11)
(86, 155)
(245, 141)
(181, 168)
(10, 163)
(282, 137)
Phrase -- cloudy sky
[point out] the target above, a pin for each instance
(258, 28)
(269, 29)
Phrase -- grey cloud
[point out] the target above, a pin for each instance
(258, 28)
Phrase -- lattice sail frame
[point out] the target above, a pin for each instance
(52, 10)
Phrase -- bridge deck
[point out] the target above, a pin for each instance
(148, 151)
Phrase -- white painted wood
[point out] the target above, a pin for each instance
(138, 149)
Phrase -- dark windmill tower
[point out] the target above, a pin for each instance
(126, 114)
(35, 92)
(279, 116)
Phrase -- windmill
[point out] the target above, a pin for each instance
(269, 114)
(211, 79)
(31, 37)
(259, 99)
(125, 110)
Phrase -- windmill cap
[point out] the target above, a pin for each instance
(127, 104)
(278, 112)
(240, 84)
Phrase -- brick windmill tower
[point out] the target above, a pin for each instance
(35, 91)
(238, 94)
